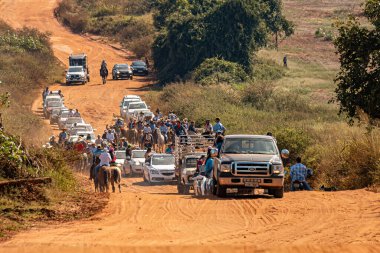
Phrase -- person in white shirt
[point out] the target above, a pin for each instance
(105, 159)
(110, 136)
(147, 129)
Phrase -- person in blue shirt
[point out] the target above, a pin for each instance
(219, 126)
(209, 165)
(164, 131)
(299, 172)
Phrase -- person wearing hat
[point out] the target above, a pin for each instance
(147, 129)
(208, 129)
(123, 143)
(110, 136)
(99, 140)
(192, 127)
(219, 126)
(104, 135)
(219, 140)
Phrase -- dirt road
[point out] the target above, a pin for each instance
(155, 218)
(95, 102)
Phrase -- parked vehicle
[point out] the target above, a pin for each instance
(135, 163)
(72, 120)
(159, 168)
(63, 116)
(139, 68)
(120, 158)
(247, 162)
(76, 74)
(124, 105)
(78, 127)
(52, 105)
(122, 71)
(135, 107)
(186, 170)
(51, 97)
(80, 60)
(55, 113)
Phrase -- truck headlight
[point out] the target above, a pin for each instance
(225, 168)
(153, 172)
(278, 169)
(137, 163)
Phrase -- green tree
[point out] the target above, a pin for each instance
(194, 30)
(358, 81)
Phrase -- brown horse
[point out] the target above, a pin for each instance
(109, 175)
(104, 176)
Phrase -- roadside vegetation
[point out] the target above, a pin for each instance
(127, 22)
(27, 61)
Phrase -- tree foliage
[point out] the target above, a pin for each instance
(194, 30)
(359, 77)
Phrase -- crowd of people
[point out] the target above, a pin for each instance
(101, 152)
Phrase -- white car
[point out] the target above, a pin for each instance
(124, 105)
(135, 107)
(160, 168)
(62, 117)
(71, 121)
(120, 158)
(136, 162)
(80, 127)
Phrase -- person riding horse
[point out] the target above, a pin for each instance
(104, 71)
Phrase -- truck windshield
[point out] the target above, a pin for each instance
(191, 162)
(163, 160)
(138, 154)
(249, 146)
(75, 69)
(120, 155)
(137, 106)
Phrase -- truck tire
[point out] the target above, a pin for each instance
(278, 193)
(221, 191)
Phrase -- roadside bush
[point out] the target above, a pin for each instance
(266, 69)
(296, 140)
(215, 71)
(137, 7)
(351, 163)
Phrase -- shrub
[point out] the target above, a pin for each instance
(266, 69)
(325, 34)
(137, 7)
(215, 71)
(258, 94)
(294, 139)
(351, 163)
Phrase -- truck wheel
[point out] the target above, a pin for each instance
(278, 193)
(271, 191)
(221, 191)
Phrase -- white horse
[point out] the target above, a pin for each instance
(160, 141)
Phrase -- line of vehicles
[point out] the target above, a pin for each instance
(55, 110)
(78, 71)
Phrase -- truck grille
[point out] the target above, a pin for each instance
(250, 168)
